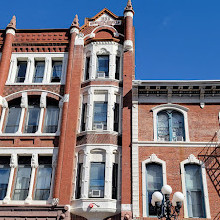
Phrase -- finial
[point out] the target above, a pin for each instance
(75, 22)
(12, 23)
(129, 6)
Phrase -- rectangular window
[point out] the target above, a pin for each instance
(39, 71)
(79, 181)
(100, 116)
(117, 70)
(51, 119)
(97, 180)
(4, 175)
(23, 178)
(32, 120)
(87, 68)
(13, 119)
(114, 180)
(103, 66)
(57, 71)
(21, 71)
(43, 179)
(116, 117)
(83, 117)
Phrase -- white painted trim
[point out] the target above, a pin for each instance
(193, 160)
(178, 108)
(128, 14)
(10, 31)
(128, 45)
(152, 159)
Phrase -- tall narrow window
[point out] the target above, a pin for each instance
(79, 181)
(103, 66)
(117, 69)
(114, 180)
(154, 180)
(43, 180)
(57, 71)
(170, 126)
(100, 116)
(87, 64)
(33, 114)
(23, 178)
(51, 119)
(4, 175)
(194, 191)
(83, 117)
(21, 71)
(39, 71)
(13, 118)
(116, 117)
(97, 179)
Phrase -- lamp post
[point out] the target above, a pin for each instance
(167, 210)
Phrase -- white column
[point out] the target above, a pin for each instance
(47, 70)
(60, 117)
(4, 107)
(90, 107)
(13, 165)
(108, 174)
(34, 165)
(12, 64)
(110, 114)
(85, 175)
(63, 75)
(93, 66)
(24, 105)
(29, 71)
(54, 164)
(112, 66)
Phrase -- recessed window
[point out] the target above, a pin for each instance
(103, 66)
(116, 117)
(79, 181)
(4, 175)
(21, 71)
(39, 71)
(87, 64)
(23, 178)
(114, 180)
(43, 179)
(83, 117)
(117, 69)
(57, 71)
(170, 126)
(100, 116)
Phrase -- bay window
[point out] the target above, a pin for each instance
(4, 175)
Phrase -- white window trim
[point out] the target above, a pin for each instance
(178, 108)
(193, 160)
(152, 159)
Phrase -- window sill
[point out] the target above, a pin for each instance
(33, 84)
(29, 134)
(23, 202)
(81, 133)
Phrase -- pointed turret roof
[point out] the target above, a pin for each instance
(129, 6)
(75, 22)
(12, 23)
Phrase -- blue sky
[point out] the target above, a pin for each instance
(175, 39)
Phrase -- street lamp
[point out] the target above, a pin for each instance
(167, 210)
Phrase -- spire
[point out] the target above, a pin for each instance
(12, 23)
(129, 6)
(75, 22)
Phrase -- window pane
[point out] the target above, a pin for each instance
(79, 181)
(32, 121)
(100, 114)
(117, 68)
(57, 71)
(154, 180)
(103, 64)
(114, 180)
(83, 117)
(51, 119)
(194, 190)
(13, 120)
(97, 178)
(4, 175)
(163, 126)
(39, 72)
(87, 68)
(116, 117)
(21, 71)
(177, 126)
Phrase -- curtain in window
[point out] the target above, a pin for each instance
(4, 177)
(39, 72)
(43, 179)
(103, 64)
(100, 113)
(154, 181)
(51, 119)
(57, 71)
(163, 126)
(13, 120)
(32, 122)
(22, 182)
(194, 190)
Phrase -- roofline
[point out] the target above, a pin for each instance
(43, 30)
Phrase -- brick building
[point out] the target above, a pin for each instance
(79, 136)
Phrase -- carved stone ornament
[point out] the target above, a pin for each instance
(192, 158)
(14, 161)
(153, 157)
(66, 98)
(55, 201)
(43, 100)
(24, 100)
(34, 161)
(103, 51)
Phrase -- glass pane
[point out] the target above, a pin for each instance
(57, 71)
(117, 68)
(39, 72)
(33, 115)
(43, 180)
(163, 126)
(22, 182)
(100, 113)
(51, 119)
(177, 126)
(4, 177)
(87, 68)
(13, 120)
(79, 181)
(21, 71)
(103, 64)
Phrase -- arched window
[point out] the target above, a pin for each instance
(170, 126)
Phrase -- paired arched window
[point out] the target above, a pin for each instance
(170, 126)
